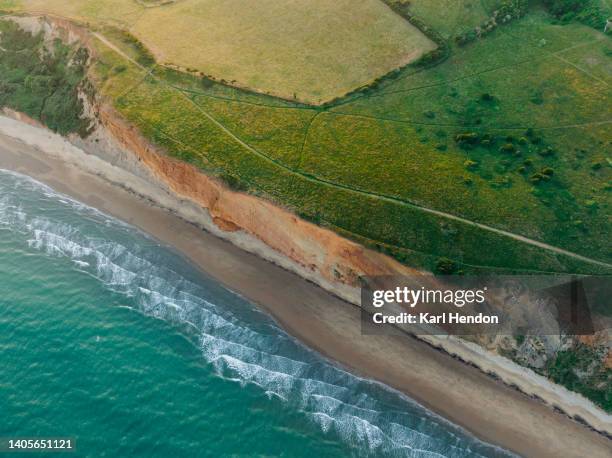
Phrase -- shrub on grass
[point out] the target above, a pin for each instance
(206, 82)
(446, 266)
(539, 177)
(467, 139)
(588, 12)
(548, 171)
(234, 182)
(507, 11)
(470, 164)
(545, 152)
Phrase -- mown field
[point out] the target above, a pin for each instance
(511, 131)
(311, 51)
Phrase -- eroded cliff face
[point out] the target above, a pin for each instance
(318, 254)
(54, 28)
(274, 233)
(337, 260)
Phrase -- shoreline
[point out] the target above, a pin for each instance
(463, 394)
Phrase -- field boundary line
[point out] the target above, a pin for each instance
(246, 102)
(382, 197)
(419, 123)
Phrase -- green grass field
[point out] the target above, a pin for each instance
(450, 17)
(470, 163)
(511, 131)
(337, 165)
(312, 51)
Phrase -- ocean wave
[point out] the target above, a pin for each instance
(372, 418)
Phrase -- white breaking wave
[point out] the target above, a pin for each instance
(358, 411)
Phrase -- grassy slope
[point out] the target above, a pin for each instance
(456, 16)
(398, 141)
(348, 43)
(531, 87)
(278, 130)
(395, 158)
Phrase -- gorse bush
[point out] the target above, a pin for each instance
(586, 11)
(41, 82)
(508, 11)
(582, 369)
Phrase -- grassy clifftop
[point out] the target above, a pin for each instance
(510, 133)
(497, 158)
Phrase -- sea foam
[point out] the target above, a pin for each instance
(239, 342)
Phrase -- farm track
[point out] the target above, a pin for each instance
(381, 197)
(557, 55)
(303, 145)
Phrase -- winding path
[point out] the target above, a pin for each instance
(382, 197)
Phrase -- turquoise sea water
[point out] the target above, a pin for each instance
(108, 337)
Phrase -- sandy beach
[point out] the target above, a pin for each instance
(463, 394)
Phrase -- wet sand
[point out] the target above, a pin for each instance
(464, 395)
